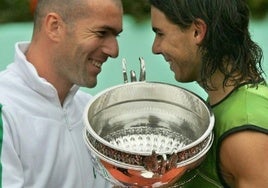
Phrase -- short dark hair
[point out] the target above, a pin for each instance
(69, 10)
(227, 38)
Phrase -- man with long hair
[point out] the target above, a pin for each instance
(208, 41)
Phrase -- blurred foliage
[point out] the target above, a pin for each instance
(15, 11)
(139, 9)
(259, 8)
(20, 11)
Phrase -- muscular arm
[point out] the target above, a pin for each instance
(244, 159)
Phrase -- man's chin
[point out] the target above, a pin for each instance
(183, 80)
(90, 84)
(93, 85)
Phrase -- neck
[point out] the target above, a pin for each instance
(218, 91)
(219, 94)
(47, 70)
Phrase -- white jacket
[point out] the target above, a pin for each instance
(42, 144)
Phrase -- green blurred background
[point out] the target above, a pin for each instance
(135, 41)
(20, 10)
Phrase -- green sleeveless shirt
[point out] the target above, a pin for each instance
(246, 108)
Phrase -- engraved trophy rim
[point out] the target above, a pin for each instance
(169, 109)
(108, 144)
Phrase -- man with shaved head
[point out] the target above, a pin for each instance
(42, 107)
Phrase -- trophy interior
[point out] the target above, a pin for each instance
(147, 133)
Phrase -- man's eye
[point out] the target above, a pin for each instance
(101, 33)
(159, 34)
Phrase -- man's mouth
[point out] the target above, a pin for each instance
(97, 64)
(170, 63)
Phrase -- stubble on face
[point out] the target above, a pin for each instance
(83, 44)
(176, 46)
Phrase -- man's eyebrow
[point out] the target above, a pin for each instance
(112, 30)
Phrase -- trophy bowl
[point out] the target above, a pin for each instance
(147, 134)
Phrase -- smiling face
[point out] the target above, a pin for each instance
(178, 47)
(88, 42)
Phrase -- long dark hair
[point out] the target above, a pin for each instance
(227, 45)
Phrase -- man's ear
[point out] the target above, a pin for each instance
(200, 30)
(54, 26)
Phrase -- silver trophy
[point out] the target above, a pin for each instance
(147, 134)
